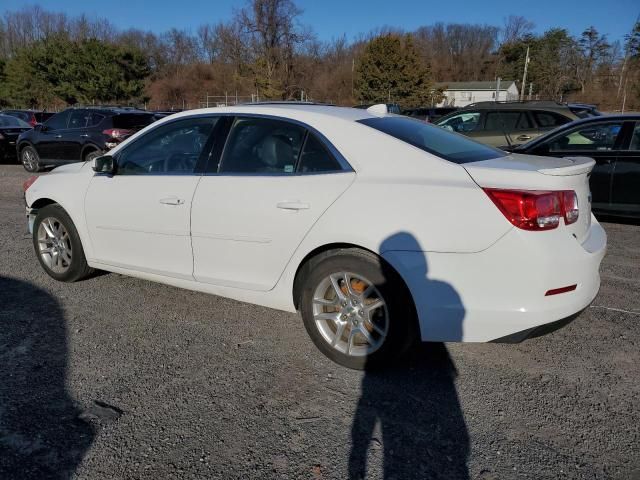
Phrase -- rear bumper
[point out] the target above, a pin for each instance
(500, 292)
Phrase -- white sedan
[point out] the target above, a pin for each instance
(379, 229)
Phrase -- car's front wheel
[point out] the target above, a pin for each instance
(30, 159)
(356, 308)
(57, 245)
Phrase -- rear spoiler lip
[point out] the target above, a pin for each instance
(580, 165)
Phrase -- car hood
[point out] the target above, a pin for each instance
(69, 168)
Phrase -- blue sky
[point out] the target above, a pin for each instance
(332, 18)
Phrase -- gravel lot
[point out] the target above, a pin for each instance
(115, 377)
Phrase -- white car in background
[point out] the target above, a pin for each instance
(378, 228)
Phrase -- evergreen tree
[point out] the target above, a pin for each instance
(390, 69)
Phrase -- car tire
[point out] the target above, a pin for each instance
(57, 245)
(91, 155)
(30, 159)
(341, 321)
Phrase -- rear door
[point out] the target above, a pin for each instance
(250, 213)
(517, 125)
(600, 141)
(140, 218)
(625, 188)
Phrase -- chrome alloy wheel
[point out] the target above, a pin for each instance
(350, 314)
(29, 159)
(54, 245)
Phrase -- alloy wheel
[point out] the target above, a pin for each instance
(54, 245)
(350, 314)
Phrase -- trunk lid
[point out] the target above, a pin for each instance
(528, 172)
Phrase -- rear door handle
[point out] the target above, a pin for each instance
(58, 136)
(84, 135)
(171, 201)
(524, 137)
(293, 205)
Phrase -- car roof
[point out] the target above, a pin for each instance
(299, 111)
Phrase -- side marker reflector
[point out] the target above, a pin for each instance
(556, 291)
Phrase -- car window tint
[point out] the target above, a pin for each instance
(462, 122)
(78, 119)
(133, 121)
(95, 119)
(507, 121)
(316, 158)
(635, 138)
(9, 121)
(173, 148)
(435, 140)
(601, 137)
(260, 145)
(58, 121)
(550, 119)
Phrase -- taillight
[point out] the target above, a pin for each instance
(118, 133)
(28, 183)
(32, 121)
(534, 209)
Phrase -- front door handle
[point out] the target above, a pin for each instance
(84, 135)
(171, 201)
(293, 205)
(524, 137)
(58, 136)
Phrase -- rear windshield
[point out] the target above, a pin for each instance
(133, 121)
(9, 121)
(585, 112)
(436, 140)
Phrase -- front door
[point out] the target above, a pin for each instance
(140, 218)
(508, 127)
(250, 214)
(600, 141)
(625, 188)
(49, 141)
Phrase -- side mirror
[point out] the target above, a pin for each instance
(104, 164)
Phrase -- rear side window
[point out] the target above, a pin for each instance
(132, 121)
(260, 145)
(78, 119)
(434, 140)
(507, 121)
(9, 121)
(95, 119)
(550, 119)
(315, 158)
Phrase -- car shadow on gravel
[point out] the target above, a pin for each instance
(414, 403)
(41, 435)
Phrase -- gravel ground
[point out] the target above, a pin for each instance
(115, 377)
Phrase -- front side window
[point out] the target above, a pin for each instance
(8, 121)
(434, 140)
(261, 145)
(600, 137)
(58, 121)
(635, 138)
(173, 148)
(462, 123)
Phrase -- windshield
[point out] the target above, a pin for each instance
(450, 146)
(9, 121)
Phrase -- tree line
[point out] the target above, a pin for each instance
(49, 59)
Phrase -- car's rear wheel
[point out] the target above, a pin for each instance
(57, 245)
(356, 308)
(30, 159)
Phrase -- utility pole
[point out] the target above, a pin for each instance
(524, 76)
(530, 89)
(498, 89)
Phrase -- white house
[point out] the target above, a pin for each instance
(460, 94)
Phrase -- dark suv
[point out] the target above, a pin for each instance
(78, 134)
(32, 117)
(506, 124)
